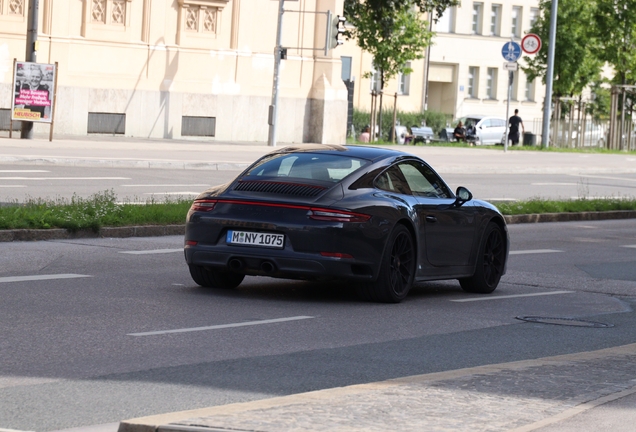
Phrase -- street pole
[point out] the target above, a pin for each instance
(31, 55)
(510, 78)
(547, 103)
(273, 108)
(427, 65)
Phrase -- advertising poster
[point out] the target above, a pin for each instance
(33, 96)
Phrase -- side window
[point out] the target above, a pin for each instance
(486, 123)
(393, 180)
(423, 181)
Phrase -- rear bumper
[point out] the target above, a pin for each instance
(278, 263)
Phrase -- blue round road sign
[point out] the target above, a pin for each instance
(511, 51)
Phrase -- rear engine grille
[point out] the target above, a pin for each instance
(279, 188)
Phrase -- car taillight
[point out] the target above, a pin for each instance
(337, 215)
(203, 205)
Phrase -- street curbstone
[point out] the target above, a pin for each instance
(570, 217)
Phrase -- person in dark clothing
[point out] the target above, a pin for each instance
(514, 122)
(459, 133)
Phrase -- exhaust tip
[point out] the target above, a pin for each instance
(268, 267)
(235, 264)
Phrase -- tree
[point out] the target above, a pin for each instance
(576, 62)
(398, 36)
(616, 24)
(381, 8)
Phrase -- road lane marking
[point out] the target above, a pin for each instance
(24, 171)
(534, 251)
(12, 186)
(166, 185)
(221, 326)
(172, 193)
(64, 178)
(472, 299)
(629, 246)
(605, 177)
(152, 251)
(41, 277)
(554, 184)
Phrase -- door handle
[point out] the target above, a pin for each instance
(431, 219)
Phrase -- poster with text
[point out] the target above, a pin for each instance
(33, 94)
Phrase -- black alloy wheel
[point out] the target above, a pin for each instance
(397, 269)
(490, 262)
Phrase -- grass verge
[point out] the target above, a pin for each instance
(539, 205)
(102, 209)
(94, 212)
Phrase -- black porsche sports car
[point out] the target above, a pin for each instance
(379, 217)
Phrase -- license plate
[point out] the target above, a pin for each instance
(255, 239)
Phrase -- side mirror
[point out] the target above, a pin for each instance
(462, 195)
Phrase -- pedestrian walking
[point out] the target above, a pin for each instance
(514, 123)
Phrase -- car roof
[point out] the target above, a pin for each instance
(362, 152)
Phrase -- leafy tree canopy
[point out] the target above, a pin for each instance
(576, 61)
(615, 22)
(380, 8)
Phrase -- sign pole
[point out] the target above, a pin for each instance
(273, 108)
(31, 55)
(510, 79)
(54, 104)
(547, 102)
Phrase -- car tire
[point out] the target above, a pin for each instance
(209, 278)
(490, 262)
(397, 269)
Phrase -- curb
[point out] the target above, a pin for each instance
(167, 230)
(113, 232)
(570, 217)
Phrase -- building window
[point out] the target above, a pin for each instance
(473, 80)
(200, 18)
(404, 81)
(108, 12)
(534, 16)
(495, 20)
(516, 21)
(477, 17)
(345, 71)
(529, 94)
(375, 80)
(446, 23)
(491, 83)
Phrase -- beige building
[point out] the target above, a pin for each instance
(466, 74)
(179, 68)
(204, 68)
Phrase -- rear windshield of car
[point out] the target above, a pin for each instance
(311, 166)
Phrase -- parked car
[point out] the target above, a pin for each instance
(487, 129)
(378, 217)
(595, 135)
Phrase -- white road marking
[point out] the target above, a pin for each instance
(64, 178)
(172, 193)
(553, 184)
(605, 177)
(166, 185)
(12, 186)
(221, 326)
(24, 171)
(152, 251)
(12, 430)
(534, 251)
(510, 296)
(42, 277)
(629, 246)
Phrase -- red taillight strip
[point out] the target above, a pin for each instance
(203, 205)
(316, 213)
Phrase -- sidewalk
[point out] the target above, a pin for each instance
(213, 155)
(576, 392)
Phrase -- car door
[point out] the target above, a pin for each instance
(485, 132)
(449, 229)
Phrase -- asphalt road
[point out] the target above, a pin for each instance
(19, 182)
(100, 330)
